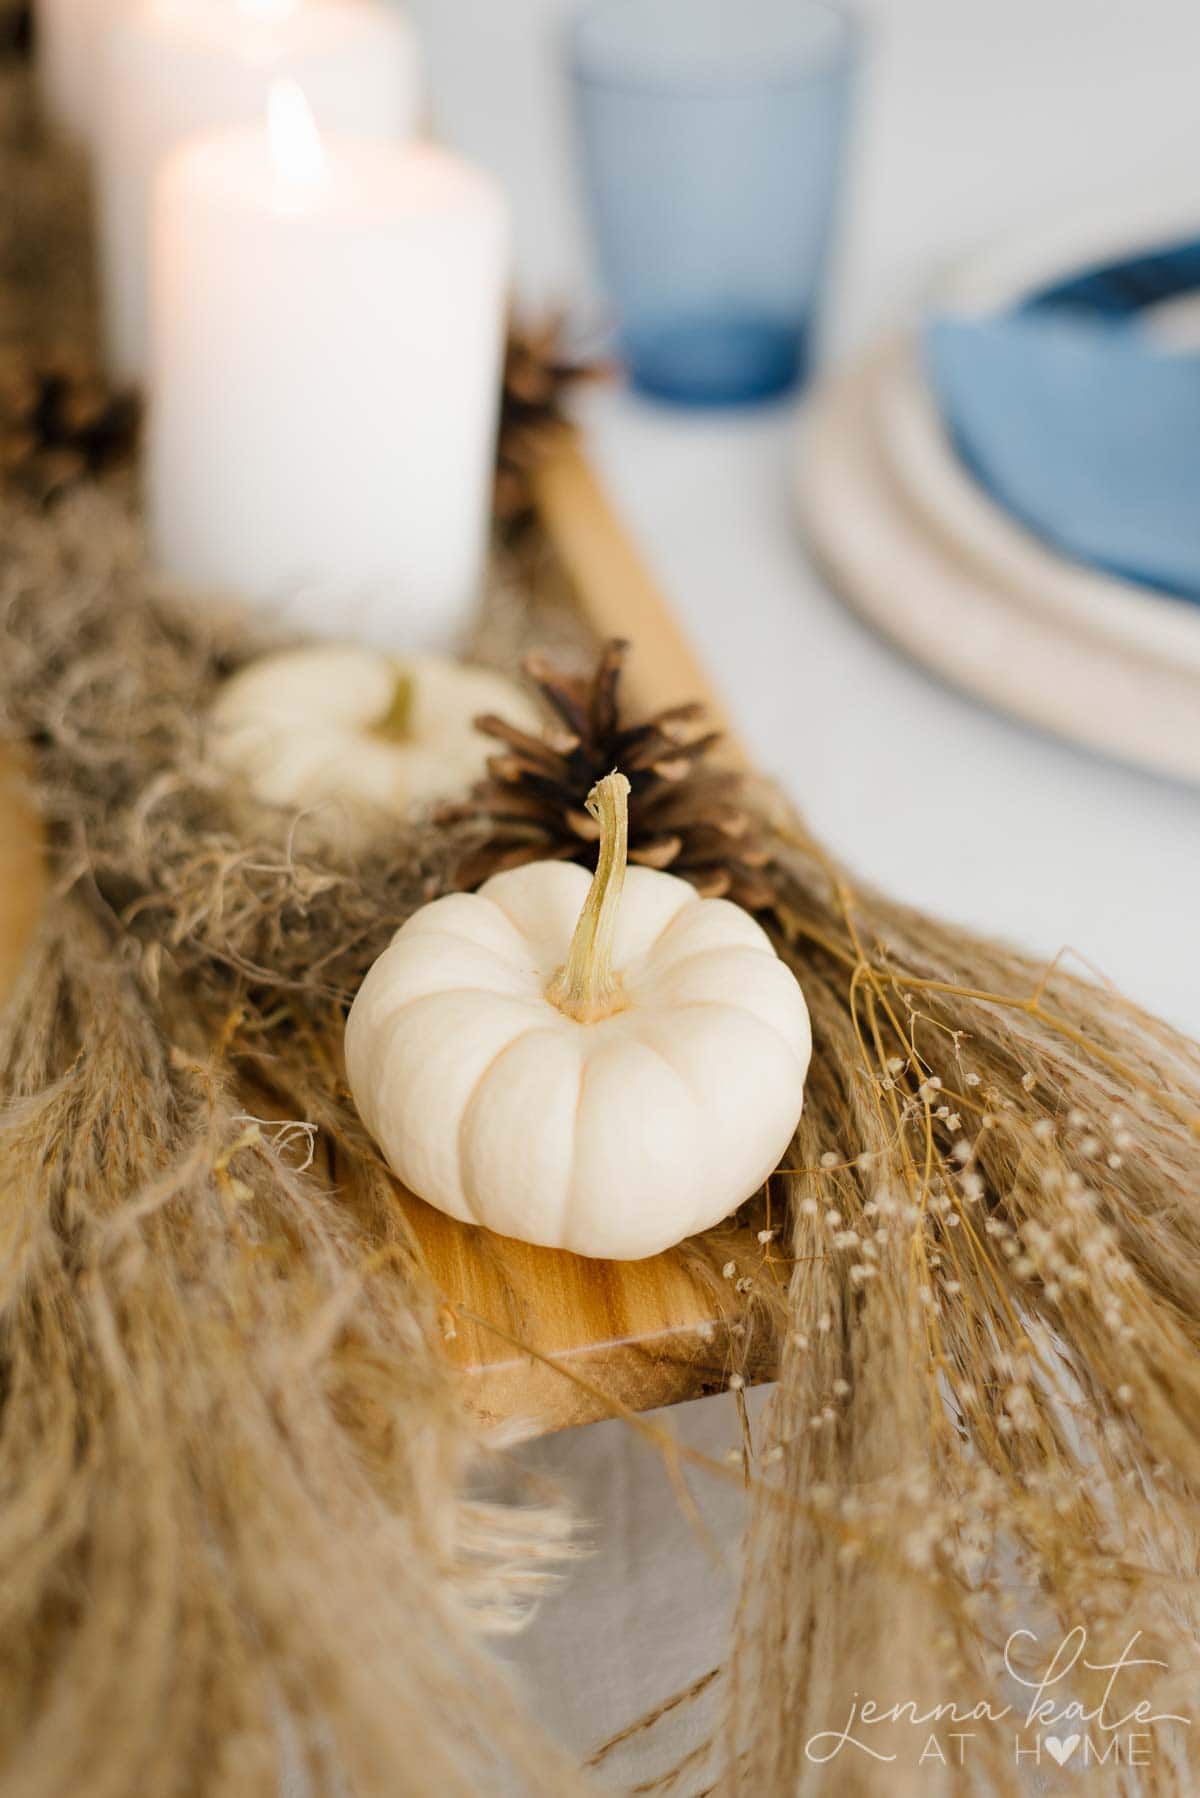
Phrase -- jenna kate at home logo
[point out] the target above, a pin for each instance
(1046, 1725)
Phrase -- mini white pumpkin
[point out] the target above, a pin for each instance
(604, 1066)
(339, 728)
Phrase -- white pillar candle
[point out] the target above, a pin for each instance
(69, 36)
(327, 329)
(174, 68)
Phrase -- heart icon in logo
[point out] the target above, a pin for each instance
(1062, 1751)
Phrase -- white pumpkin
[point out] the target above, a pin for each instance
(603, 1066)
(341, 729)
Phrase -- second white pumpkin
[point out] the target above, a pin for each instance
(616, 1126)
(346, 733)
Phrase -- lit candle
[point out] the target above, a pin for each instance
(173, 68)
(327, 326)
(69, 35)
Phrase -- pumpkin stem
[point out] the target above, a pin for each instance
(587, 987)
(396, 723)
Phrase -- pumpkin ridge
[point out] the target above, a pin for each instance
(685, 910)
(451, 936)
(586, 1065)
(503, 909)
(568, 1204)
(741, 1011)
(653, 1049)
(762, 941)
(372, 1100)
(450, 992)
(766, 952)
(465, 1186)
(666, 1061)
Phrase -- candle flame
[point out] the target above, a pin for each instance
(295, 142)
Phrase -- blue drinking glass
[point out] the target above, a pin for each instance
(712, 134)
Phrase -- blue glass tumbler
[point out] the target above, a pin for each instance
(712, 135)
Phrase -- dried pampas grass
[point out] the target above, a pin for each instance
(990, 1386)
(233, 1531)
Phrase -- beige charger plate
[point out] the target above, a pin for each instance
(972, 616)
(924, 464)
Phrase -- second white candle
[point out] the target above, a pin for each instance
(173, 68)
(327, 328)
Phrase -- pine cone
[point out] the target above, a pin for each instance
(16, 28)
(684, 815)
(537, 376)
(60, 423)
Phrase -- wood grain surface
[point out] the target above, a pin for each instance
(22, 869)
(618, 596)
(603, 1335)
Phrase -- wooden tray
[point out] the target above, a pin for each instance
(634, 1334)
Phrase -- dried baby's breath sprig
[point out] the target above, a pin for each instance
(1018, 1325)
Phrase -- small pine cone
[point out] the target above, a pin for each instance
(685, 816)
(16, 28)
(60, 424)
(537, 377)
